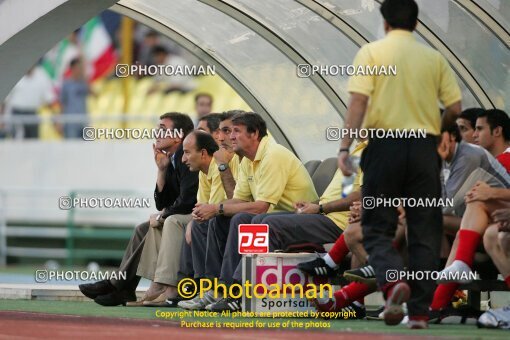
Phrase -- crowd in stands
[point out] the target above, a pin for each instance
(62, 82)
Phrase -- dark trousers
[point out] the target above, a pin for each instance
(285, 228)
(192, 261)
(186, 259)
(131, 259)
(398, 168)
(217, 235)
(232, 258)
(223, 230)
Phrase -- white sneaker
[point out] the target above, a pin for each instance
(198, 303)
(185, 303)
(458, 272)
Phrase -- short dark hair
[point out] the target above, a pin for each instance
(253, 122)
(212, 120)
(203, 94)
(455, 131)
(181, 121)
(471, 115)
(497, 118)
(204, 141)
(159, 49)
(230, 114)
(75, 61)
(400, 13)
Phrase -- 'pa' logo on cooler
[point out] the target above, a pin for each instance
(253, 238)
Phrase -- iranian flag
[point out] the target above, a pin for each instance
(97, 49)
(56, 61)
(94, 46)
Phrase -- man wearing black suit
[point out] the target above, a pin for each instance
(175, 194)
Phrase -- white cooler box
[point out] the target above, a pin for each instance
(277, 268)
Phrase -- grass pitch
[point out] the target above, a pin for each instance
(344, 326)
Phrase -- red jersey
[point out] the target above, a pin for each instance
(504, 159)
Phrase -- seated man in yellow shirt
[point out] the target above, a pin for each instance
(155, 264)
(321, 221)
(271, 178)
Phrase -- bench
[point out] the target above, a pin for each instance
(322, 173)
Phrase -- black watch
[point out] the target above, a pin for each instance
(220, 210)
(343, 150)
(223, 167)
(321, 209)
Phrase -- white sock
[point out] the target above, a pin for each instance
(459, 265)
(329, 261)
(325, 298)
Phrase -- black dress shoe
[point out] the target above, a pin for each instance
(93, 290)
(116, 298)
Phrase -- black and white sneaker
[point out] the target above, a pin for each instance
(364, 275)
(465, 314)
(317, 267)
(375, 314)
(228, 303)
(355, 311)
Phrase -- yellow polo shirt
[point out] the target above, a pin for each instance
(210, 186)
(334, 191)
(409, 99)
(275, 176)
(234, 166)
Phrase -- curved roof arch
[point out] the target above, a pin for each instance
(207, 57)
(296, 104)
(242, 12)
(256, 47)
(472, 92)
(489, 19)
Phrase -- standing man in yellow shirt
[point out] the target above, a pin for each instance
(271, 179)
(401, 167)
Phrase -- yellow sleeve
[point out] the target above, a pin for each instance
(204, 188)
(234, 166)
(217, 191)
(273, 177)
(449, 90)
(242, 190)
(363, 84)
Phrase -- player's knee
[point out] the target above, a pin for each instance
(503, 240)
(490, 238)
(353, 235)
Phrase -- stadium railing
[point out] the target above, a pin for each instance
(99, 224)
(33, 226)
